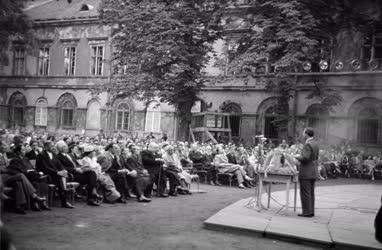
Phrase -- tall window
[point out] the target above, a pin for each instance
(271, 129)
(70, 61)
(368, 126)
(67, 114)
(153, 117)
(96, 66)
(19, 61)
(41, 115)
(17, 104)
(43, 62)
(123, 114)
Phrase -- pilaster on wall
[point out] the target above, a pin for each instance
(104, 119)
(139, 121)
(168, 123)
(80, 119)
(53, 119)
(4, 116)
(29, 117)
(248, 128)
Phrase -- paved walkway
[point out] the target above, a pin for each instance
(344, 217)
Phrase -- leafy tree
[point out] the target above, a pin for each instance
(162, 47)
(13, 24)
(286, 34)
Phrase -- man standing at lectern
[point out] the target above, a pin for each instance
(308, 172)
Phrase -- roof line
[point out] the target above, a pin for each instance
(37, 5)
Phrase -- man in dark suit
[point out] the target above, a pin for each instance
(142, 185)
(32, 155)
(116, 172)
(22, 188)
(152, 161)
(88, 178)
(308, 172)
(48, 163)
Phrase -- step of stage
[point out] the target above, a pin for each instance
(344, 218)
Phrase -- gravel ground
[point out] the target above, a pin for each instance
(165, 223)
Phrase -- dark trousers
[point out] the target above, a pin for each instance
(121, 183)
(88, 178)
(39, 183)
(307, 195)
(159, 178)
(141, 185)
(174, 180)
(57, 180)
(22, 188)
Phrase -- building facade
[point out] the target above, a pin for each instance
(50, 87)
(353, 67)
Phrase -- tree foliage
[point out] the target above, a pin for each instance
(13, 24)
(162, 47)
(287, 33)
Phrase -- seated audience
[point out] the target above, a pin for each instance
(22, 188)
(142, 184)
(223, 166)
(153, 163)
(82, 175)
(117, 172)
(48, 163)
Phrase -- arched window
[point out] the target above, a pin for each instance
(41, 114)
(17, 104)
(123, 115)
(67, 104)
(235, 117)
(271, 129)
(67, 114)
(367, 126)
(367, 120)
(153, 117)
(84, 7)
(317, 116)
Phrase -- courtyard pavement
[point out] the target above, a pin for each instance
(344, 217)
(165, 223)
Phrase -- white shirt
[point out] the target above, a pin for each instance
(309, 139)
(50, 155)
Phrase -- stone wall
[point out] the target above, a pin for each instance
(4, 116)
(139, 121)
(53, 119)
(168, 124)
(29, 117)
(248, 129)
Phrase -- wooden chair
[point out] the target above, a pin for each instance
(200, 171)
(229, 176)
(378, 170)
(71, 187)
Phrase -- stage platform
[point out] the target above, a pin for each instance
(344, 217)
